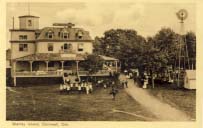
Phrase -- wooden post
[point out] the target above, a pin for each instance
(77, 68)
(47, 66)
(116, 66)
(14, 73)
(62, 64)
(31, 66)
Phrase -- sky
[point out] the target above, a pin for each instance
(146, 18)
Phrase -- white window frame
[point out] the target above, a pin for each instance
(24, 47)
(80, 47)
(22, 37)
(64, 35)
(50, 45)
(50, 35)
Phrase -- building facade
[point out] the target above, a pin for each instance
(50, 51)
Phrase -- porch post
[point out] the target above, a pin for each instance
(31, 66)
(14, 73)
(62, 64)
(116, 66)
(77, 67)
(47, 66)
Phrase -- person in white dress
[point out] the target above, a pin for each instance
(87, 89)
(68, 88)
(79, 88)
(61, 88)
(90, 87)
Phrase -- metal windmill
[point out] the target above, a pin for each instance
(183, 57)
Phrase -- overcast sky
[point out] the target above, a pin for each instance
(147, 19)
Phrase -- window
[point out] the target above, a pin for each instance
(67, 46)
(50, 47)
(22, 37)
(23, 47)
(50, 34)
(79, 35)
(65, 35)
(29, 22)
(80, 47)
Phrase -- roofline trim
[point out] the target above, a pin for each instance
(23, 29)
(22, 41)
(28, 16)
(58, 40)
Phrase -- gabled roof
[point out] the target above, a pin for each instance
(50, 56)
(57, 31)
(191, 74)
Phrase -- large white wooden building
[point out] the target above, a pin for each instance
(50, 51)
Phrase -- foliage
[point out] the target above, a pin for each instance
(152, 54)
(120, 44)
(92, 63)
(190, 38)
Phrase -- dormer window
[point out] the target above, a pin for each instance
(50, 34)
(79, 35)
(65, 35)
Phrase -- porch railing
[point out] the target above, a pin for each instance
(39, 73)
(58, 73)
(99, 73)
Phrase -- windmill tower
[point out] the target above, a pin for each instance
(183, 58)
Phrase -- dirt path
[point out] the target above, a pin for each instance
(161, 110)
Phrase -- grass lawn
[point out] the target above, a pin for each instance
(181, 99)
(44, 103)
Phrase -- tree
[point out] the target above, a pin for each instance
(93, 63)
(190, 38)
(120, 43)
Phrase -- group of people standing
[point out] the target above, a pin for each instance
(76, 85)
(80, 87)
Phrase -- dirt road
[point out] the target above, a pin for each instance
(161, 110)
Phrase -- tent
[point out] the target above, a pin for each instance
(190, 79)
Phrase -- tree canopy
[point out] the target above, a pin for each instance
(135, 51)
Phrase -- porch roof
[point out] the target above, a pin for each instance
(50, 57)
(108, 58)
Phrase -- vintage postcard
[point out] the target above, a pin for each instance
(101, 64)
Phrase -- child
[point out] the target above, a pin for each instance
(126, 83)
(61, 88)
(79, 89)
(68, 88)
(105, 86)
(64, 87)
(87, 89)
(90, 87)
(113, 92)
(123, 84)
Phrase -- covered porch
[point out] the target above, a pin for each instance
(45, 65)
(55, 65)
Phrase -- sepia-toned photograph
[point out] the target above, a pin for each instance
(85, 61)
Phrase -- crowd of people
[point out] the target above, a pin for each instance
(83, 86)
